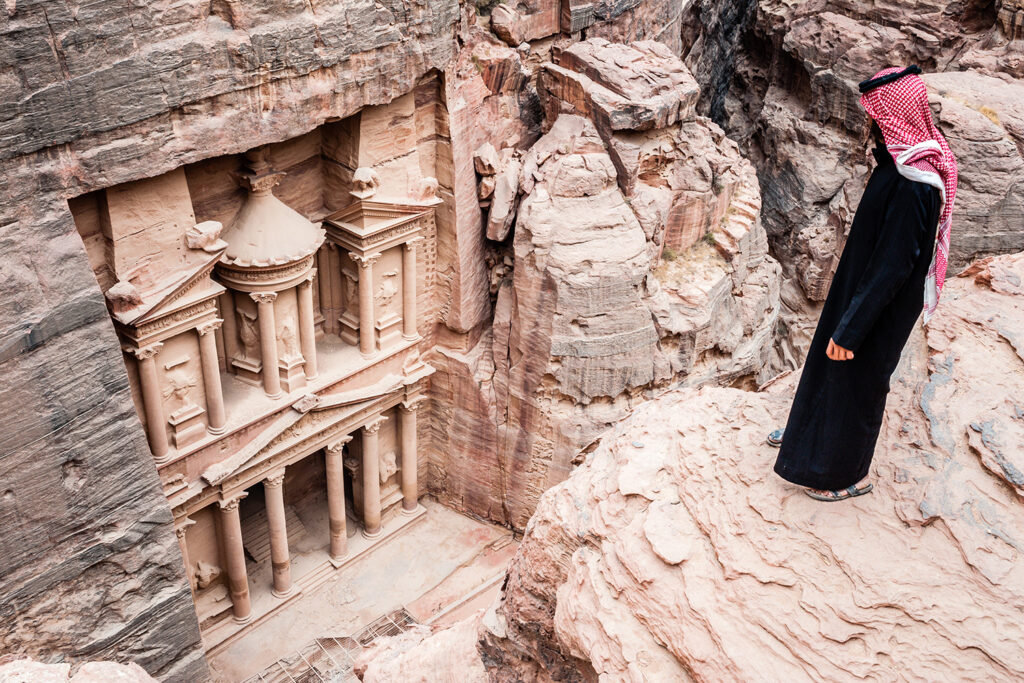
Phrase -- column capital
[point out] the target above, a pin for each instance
(208, 327)
(412, 404)
(275, 479)
(231, 502)
(307, 281)
(180, 527)
(144, 352)
(373, 426)
(337, 446)
(364, 261)
(411, 243)
(263, 297)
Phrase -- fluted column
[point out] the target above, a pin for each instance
(307, 326)
(280, 558)
(216, 417)
(179, 530)
(336, 497)
(367, 314)
(371, 477)
(152, 400)
(234, 557)
(409, 289)
(268, 341)
(407, 427)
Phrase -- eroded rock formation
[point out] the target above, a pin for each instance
(637, 260)
(674, 553)
(781, 79)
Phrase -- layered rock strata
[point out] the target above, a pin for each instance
(781, 78)
(636, 261)
(95, 96)
(674, 553)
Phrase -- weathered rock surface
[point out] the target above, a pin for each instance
(93, 96)
(420, 656)
(781, 79)
(675, 554)
(627, 277)
(16, 670)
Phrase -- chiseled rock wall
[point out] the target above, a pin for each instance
(94, 95)
(675, 554)
(781, 79)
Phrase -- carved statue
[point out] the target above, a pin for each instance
(427, 190)
(206, 574)
(388, 466)
(365, 182)
(350, 287)
(249, 332)
(287, 337)
(123, 296)
(387, 290)
(205, 236)
(179, 387)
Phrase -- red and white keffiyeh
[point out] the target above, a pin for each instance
(900, 109)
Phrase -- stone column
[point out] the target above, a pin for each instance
(307, 326)
(371, 477)
(280, 558)
(234, 557)
(334, 282)
(409, 289)
(407, 427)
(179, 531)
(216, 417)
(367, 314)
(323, 282)
(230, 328)
(268, 342)
(152, 401)
(336, 497)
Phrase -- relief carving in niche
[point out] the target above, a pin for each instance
(351, 284)
(388, 466)
(249, 333)
(288, 339)
(387, 290)
(178, 390)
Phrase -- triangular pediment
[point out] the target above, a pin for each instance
(175, 292)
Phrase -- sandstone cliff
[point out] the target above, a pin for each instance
(674, 553)
(634, 259)
(781, 79)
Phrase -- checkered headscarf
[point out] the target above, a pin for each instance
(900, 109)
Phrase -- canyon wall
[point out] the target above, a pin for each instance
(628, 257)
(95, 95)
(675, 554)
(781, 79)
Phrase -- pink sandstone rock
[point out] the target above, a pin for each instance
(782, 78)
(621, 87)
(673, 553)
(26, 670)
(448, 656)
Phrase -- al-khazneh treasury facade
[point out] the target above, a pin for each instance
(273, 356)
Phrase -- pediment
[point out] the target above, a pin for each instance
(180, 291)
(308, 417)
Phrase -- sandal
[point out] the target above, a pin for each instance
(842, 494)
(775, 438)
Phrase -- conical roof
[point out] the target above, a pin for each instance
(268, 232)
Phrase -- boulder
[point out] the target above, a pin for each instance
(673, 553)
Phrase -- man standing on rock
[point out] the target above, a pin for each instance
(894, 257)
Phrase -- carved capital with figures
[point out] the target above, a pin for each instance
(264, 297)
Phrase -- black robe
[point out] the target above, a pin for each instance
(872, 305)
